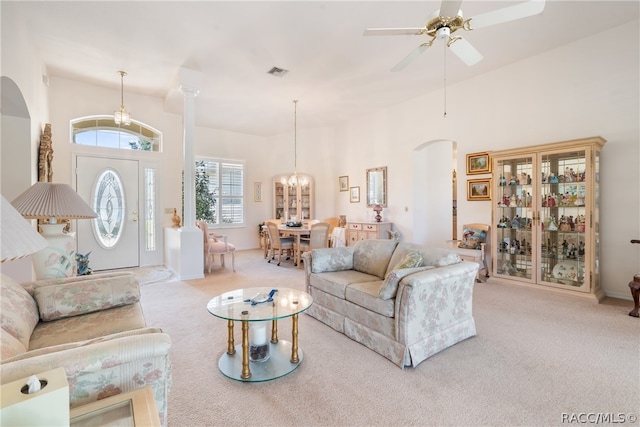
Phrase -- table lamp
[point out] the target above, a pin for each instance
(377, 209)
(49, 201)
(19, 238)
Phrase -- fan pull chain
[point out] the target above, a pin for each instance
(445, 80)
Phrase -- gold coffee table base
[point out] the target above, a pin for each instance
(238, 306)
(267, 372)
(278, 365)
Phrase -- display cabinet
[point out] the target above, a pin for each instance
(293, 201)
(546, 216)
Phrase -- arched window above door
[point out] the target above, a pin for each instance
(101, 131)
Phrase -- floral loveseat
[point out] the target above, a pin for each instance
(402, 300)
(93, 327)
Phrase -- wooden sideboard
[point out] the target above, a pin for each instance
(367, 230)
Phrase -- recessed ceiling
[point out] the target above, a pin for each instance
(335, 72)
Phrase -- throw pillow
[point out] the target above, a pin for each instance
(76, 298)
(411, 261)
(472, 238)
(389, 288)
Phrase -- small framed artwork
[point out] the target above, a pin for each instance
(479, 189)
(478, 163)
(344, 183)
(257, 191)
(354, 194)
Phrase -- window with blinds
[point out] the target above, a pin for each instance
(220, 191)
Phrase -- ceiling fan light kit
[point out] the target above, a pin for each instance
(443, 33)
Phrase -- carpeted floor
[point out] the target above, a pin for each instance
(539, 358)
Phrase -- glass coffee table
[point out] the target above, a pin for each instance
(258, 357)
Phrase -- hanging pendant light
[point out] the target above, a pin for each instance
(295, 180)
(121, 117)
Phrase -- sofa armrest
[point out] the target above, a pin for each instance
(307, 260)
(434, 299)
(105, 367)
(57, 300)
(66, 346)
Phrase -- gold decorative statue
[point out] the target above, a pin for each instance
(45, 157)
(176, 219)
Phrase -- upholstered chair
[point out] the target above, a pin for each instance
(216, 244)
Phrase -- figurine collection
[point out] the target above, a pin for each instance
(573, 196)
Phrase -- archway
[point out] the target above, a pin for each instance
(433, 192)
(16, 141)
(16, 160)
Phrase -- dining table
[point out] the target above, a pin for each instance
(297, 232)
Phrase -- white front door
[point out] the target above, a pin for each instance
(110, 186)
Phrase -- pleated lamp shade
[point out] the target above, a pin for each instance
(19, 239)
(46, 200)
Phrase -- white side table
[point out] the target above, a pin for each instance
(134, 408)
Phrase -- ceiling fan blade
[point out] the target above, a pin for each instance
(393, 31)
(511, 13)
(465, 51)
(450, 8)
(409, 58)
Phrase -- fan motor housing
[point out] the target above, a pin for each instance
(452, 24)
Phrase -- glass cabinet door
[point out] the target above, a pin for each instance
(563, 219)
(292, 199)
(305, 201)
(514, 217)
(279, 201)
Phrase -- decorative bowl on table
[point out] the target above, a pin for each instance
(294, 224)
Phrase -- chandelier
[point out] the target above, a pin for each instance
(295, 180)
(121, 116)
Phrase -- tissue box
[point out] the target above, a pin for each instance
(47, 407)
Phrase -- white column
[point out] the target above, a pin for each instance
(184, 247)
(190, 93)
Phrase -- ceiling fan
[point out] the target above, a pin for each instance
(443, 23)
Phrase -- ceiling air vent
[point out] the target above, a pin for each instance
(278, 72)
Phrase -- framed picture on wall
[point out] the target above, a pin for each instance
(344, 183)
(479, 189)
(257, 191)
(478, 163)
(354, 194)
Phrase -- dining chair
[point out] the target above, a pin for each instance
(306, 236)
(277, 242)
(319, 238)
(333, 223)
(216, 244)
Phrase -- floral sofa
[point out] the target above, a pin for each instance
(402, 300)
(93, 327)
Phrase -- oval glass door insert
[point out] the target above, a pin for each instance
(109, 204)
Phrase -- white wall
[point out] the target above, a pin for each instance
(21, 130)
(584, 89)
